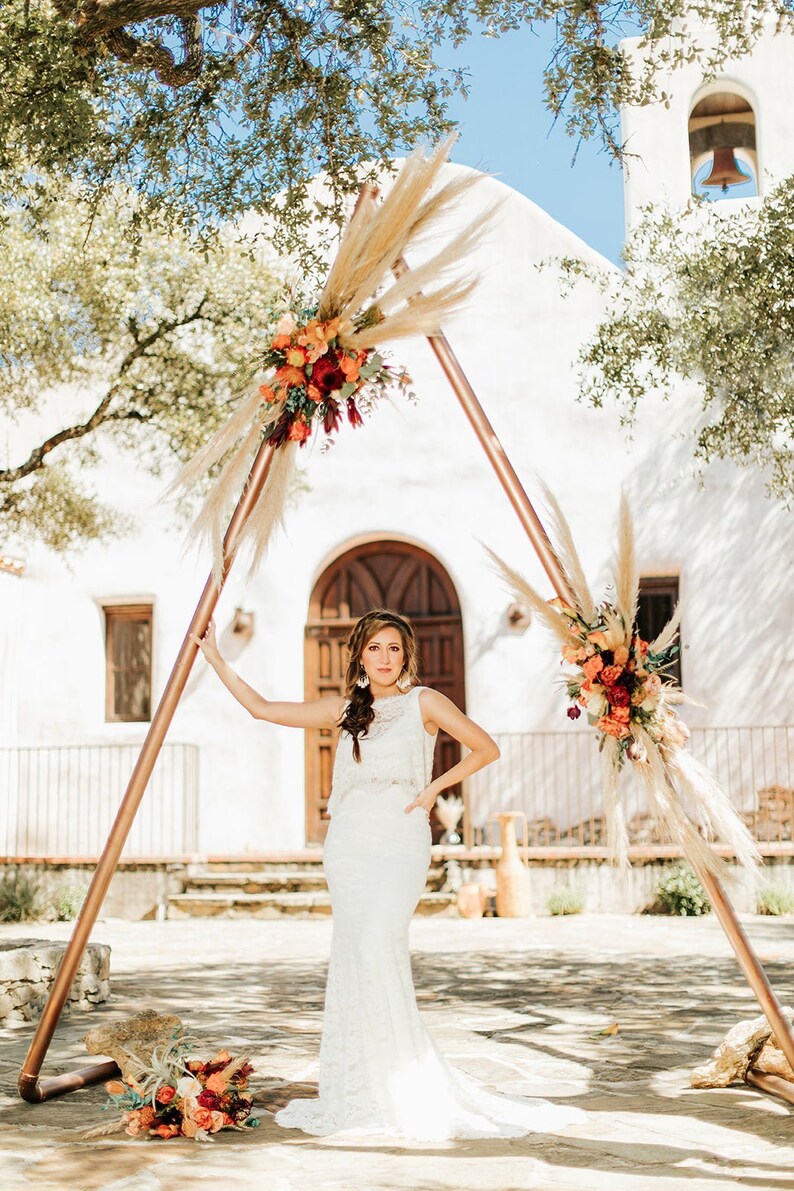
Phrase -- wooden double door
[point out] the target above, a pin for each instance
(382, 574)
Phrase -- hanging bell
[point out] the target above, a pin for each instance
(724, 170)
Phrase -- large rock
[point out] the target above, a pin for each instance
(27, 970)
(741, 1048)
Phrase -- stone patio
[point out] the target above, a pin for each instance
(521, 1004)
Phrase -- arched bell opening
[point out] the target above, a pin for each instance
(723, 158)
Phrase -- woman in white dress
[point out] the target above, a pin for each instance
(380, 1071)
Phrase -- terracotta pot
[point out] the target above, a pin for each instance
(512, 875)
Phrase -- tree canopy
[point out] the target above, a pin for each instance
(108, 336)
(706, 299)
(208, 109)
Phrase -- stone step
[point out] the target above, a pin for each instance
(276, 905)
(275, 881)
(286, 881)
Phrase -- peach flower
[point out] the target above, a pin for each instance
(593, 667)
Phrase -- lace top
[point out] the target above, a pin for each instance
(396, 751)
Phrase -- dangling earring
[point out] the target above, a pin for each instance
(363, 680)
(403, 682)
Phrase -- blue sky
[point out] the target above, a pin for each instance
(506, 129)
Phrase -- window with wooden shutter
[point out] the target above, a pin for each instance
(128, 663)
(658, 598)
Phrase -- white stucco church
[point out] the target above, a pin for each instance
(396, 514)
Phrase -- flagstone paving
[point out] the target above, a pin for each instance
(521, 1004)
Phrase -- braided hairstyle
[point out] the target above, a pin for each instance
(359, 712)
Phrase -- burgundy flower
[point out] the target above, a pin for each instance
(327, 375)
(353, 416)
(574, 712)
(208, 1100)
(619, 696)
(331, 417)
(277, 437)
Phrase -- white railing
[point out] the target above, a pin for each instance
(555, 779)
(60, 801)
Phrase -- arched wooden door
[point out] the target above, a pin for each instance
(382, 574)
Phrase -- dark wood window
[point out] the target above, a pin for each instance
(658, 598)
(128, 663)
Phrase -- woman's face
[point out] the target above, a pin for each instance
(382, 657)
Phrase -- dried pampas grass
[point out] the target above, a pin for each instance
(372, 307)
(685, 799)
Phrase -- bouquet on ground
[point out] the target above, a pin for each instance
(174, 1095)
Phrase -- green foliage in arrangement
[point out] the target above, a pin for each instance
(20, 896)
(705, 302)
(775, 900)
(565, 901)
(679, 892)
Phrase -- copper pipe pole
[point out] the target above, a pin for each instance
(775, 1084)
(748, 960)
(31, 1088)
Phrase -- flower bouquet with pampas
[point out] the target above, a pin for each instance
(173, 1095)
(324, 359)
(620, 681)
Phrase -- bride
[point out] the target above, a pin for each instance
(380, 1071)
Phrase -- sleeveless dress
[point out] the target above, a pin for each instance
(380, 1071)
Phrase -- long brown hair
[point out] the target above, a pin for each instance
(359, 712)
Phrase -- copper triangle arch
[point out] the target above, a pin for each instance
(31, 1086)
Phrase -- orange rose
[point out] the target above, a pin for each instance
(612, 727)
(165, 1131)
(281, 342)
(621, 714)
(593, 667)
(216, 1083)
(165, 1094)
(147, 1115)
(134, 1125)
(267, 393)
(611, 674)
(203, 1118)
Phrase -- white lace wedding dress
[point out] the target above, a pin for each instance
(380, 1071)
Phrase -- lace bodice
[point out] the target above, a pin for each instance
(396, 751)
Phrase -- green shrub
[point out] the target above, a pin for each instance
(19, 896)
(679, 892)
(775, 900)
(565, 901)
(68, 902)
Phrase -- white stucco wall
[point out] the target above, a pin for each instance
(418, 472)
(657, 140)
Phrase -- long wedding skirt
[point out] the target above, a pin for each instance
(380, 1071)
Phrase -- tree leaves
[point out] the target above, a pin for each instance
(707, 297)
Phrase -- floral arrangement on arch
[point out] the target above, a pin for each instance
(177, 1096)
(620, 683)
(323, 362)
(316, 377)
